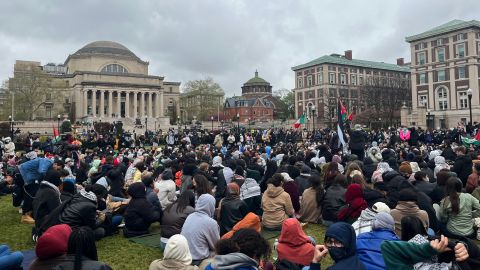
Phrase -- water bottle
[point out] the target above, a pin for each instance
(275, 255)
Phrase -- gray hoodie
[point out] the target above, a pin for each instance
(233, 261)
(201, 230)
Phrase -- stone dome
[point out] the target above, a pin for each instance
(105, 48)
(256, 80)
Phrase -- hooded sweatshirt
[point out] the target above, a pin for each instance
(355, 203)
(250, 221)
(200, 229)
(176, 255)
(140, 213)
(294, 245)
(231, 261)
(344, 233)
(276, 205)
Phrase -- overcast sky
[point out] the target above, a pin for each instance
(226, 40)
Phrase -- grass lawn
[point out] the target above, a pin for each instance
(117, 251)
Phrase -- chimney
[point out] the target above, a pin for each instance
(348, 54)
(400, 62)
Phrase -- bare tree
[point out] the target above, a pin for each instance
(202, 98)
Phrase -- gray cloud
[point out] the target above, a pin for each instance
(226, 40)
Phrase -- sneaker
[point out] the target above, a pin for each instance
(27, 219)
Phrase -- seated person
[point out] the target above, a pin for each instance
(355, 204)
(51, 247)
(151, 196)
(175, 215)
(47, 197)
(334, 199)
(369, 243)
(140, 213)
(407, 206)
(294, 245)
(231, 209)
(251, 195)
(201, 230)
(250, 221)
(82, 252)
(365, 221)
(176, 255)
(276, 204)
(312, 199)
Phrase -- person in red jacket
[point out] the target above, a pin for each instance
(355, 204)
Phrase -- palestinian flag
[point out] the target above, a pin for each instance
(300, 121)
(342, 117)
(56, 136)
(469, 141)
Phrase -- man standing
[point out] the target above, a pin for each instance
(463, 164)
(357, 142)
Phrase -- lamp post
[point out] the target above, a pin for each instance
(238, 123)
(211, 117)
(10, 118)
(313, 117)
(428, 119)
(178, 121)
(58, 122)
(470, 94)
(146, 124)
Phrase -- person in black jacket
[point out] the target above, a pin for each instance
(463, 164)
(231, 209)
(47, 197)
(139, 213)
(357, 142)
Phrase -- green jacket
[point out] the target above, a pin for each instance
(401, 255)
(460, 224)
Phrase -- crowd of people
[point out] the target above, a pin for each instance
(389, 201)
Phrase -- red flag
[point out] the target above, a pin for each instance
(350, 117)
(55, 133)
(477, 137)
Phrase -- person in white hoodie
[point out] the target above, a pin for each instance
(166, 189)
(176, 255)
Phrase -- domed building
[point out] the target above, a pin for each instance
(105, 80)
(255, 103)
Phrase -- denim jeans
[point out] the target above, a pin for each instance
(116, 220)
(9, 259)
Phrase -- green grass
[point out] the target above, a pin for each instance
(117, 251)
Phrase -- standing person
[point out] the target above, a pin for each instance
(463, 164)
(276, 204)
(201, 230)
(357, 142)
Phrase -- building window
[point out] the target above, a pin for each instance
(299, 96)
(442, 99)
(461, 72)
(441, 75)
(422, 78)
(343, 78)
(353, 79)
(320, 78)
(421, 58)
(441, 54)
(114, 68)
(299, 82)
(461, 36)
(309, 80)
(360, 80)
(460, 50)
(331, 78)
(422, 100)
(48, 97)
(463, 100)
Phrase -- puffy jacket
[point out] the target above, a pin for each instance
(79, 212)
(357, 140)
(231, 212)
(34, 170)
(172, 221)
(140, 213)
(368, 248)
(46, 200)
(332, 203)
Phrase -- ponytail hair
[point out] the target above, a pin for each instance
(453, 189)
(82, 243)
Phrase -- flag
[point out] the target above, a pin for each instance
(477, 137)
(56, 136)
(300, 121)
(350, 117)
(341, 115)
(469, 141)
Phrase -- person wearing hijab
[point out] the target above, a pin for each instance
(440, 164)
(291, 188)
(364, 223)
(355, 204)
(340, 241)
(51, 247)
(369, 243)
(294, 245)
(382, 168)
(201, 230)
(176, 255)
(231, 209)
(140, 213)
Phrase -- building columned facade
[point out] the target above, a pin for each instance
(445, 65)
(105, 80)
(363, 86)
(255, 103)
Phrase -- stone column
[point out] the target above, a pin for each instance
(127, 104)
(85, 103)
(110, 103)
(160, 107)
(119, 102)
(135, 105)
(102, 104)
(157, 104)
(142, 104)
(150, 104)
(94, 102)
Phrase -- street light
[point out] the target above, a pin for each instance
(238, 123)
(470, 94)
(313, 116)
(11, 126)
(146, 124)
(58, 122)
(212, 121)
(428, 119)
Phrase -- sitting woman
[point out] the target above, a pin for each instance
(139, 213)
(51, 247)
(334, 200)
(175, 215)
(166, 189)
(294, 245)
(231, 209)
(312, 199)
(243, 251)
(355, 204)
(457, 210)
(276, 204)
(176, 255)
(82, 252)
(250, 221)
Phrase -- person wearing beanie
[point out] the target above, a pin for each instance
(364, 223)
(231, 209)
(51, 247)
(176, 255)
(369, 243)
(166, 188)
(407, 206)
(47, 197)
